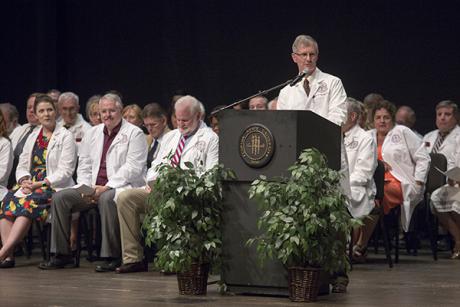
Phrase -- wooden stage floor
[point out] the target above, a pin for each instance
(415, 281)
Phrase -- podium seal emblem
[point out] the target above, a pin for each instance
(257, 145)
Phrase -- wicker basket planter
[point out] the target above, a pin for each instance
(303, 283)
(195, 280)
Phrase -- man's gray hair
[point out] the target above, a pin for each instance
(68, 96)
(193, 103)
(304, 40)
(448, 104)
(113, 97)
(355, 106)
(9, 110)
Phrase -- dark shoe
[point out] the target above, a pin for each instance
(7, 264)
(58, 263)
(108, 266)
(132, 268)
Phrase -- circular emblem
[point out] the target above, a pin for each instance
(353, 145)
(257, 145)
(395, 139)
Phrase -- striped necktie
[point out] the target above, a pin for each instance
(438, 142)
(180, 148)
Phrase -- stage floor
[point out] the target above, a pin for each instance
(415, 281)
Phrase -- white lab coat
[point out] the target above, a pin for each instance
(327, 97)
(78, 129)
(61, 158)
(6, 163)
(19, 133)
(125, 161)
(448, 146)
(410, 162)
(202, 150)
(362, 162)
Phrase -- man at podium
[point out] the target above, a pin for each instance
(324, 95)
(317, 91)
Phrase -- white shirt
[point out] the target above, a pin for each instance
(362, 161)
(125, 160)
(327, 97)
(6, 163)
(78, 129)
(61, 158)
(448, 146)
(19, 132)
(202, 150)
(410, 162)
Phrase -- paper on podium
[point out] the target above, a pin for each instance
(84, 189)
(453, 173)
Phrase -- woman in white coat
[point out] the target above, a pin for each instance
(45, 165)
(6, 157)
(406, 162)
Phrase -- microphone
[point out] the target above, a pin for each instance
(299, 77)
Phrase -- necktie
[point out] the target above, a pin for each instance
(19, 147)
(180, 147)
(306, 86)
(152, 153)
(438, 142)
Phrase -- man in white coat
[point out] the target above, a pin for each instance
(324, 95)
(362, 161)
(200, 147)
(112, 158)
(442, 140)
(69, 106)
(319, 92)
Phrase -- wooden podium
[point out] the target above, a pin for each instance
(275, 138)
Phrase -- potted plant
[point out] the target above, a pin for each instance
(184, 221)
(304, 221)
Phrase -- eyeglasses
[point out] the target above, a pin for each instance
(305, 55)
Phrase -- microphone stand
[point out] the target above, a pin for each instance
(264, 92)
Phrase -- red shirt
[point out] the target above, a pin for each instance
(108, 139)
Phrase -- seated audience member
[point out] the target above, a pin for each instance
(6, 159)
(112, 158)
(70, 118)
(442, 140)
(45, 166)
(405, 116)
(92, 110)
(272, 104)
(362, 161)
(369, 103)
(133, 114)
(214, 120)
(19, 136)
(258, 103)
(406, 162)
(54, 94)
(172, 116)
(192, 142)
(11, 116)
(156, 123)
(446, 203)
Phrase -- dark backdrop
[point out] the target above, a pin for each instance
(221, 51)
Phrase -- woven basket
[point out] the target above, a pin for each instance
(303, 284)
(194, 281)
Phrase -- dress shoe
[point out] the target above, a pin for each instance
(455, 255)
(7, 264)
(58, 263)
(108, 266)
(132, 268)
